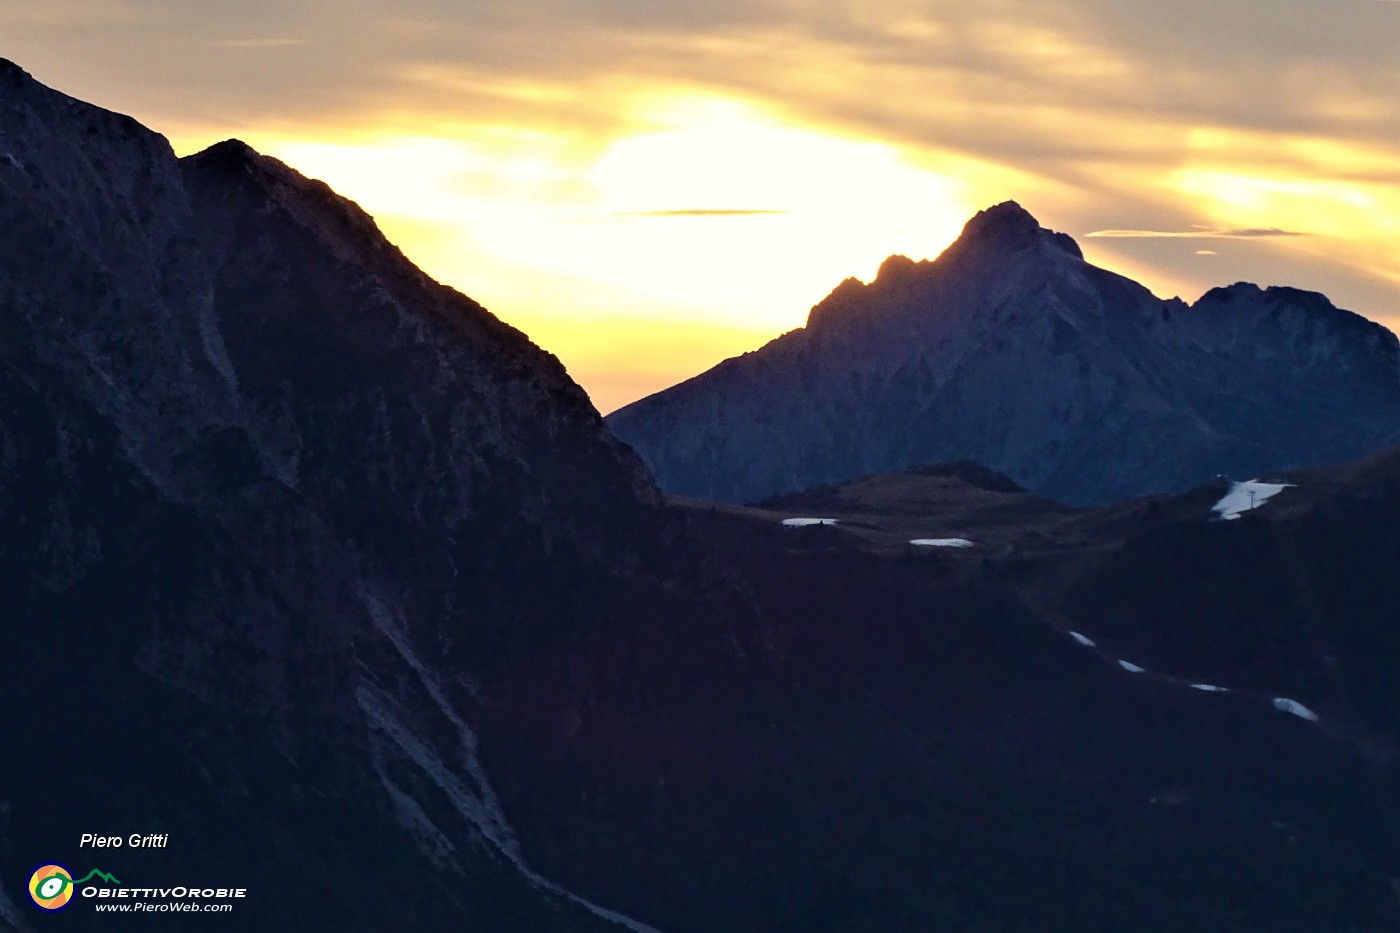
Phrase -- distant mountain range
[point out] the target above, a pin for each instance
(1012, 351)
(314, 566)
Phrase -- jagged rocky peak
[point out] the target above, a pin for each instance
(13, 76)
(1011, 350)
(993, 238)
(1305, 311)
(1008, 217)
(846, 301)
(896, 270)
(233, 158)
(231, 162)
(1003, 229)
(1009, 227)
(231, 154)
(34, 110)
(234, 166)
(1241, 293)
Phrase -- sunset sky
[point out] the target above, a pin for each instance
(647, 187)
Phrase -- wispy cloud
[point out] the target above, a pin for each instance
(1200, 233)
(702, 212)
(266, 42)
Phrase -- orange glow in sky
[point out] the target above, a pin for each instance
(710, 228)
(646, 189)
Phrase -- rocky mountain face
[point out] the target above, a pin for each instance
(278, 513)
(1011, 351)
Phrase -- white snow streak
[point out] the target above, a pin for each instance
(804, 522)
(380, 713)
(1084, 640)
(412, 818)
(1130, 667)
(942, 542)
(490, 808)
(1245, 496)
(478, 806)
(1210, 688)
(1295, 708)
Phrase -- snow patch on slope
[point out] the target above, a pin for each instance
(804, 522)
(1084, 640)
(1131, 668)
(1210, 688)
(1245, 496)
(942, 542)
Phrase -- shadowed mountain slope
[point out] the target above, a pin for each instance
(277, 509)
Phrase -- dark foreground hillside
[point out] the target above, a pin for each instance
(967, 763)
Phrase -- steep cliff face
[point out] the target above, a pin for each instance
(1012, 351)
(276, 511)
(438, 439)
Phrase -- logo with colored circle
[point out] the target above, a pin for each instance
(51, 887)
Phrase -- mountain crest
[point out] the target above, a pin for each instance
(233, 151)
(896, 269)
(989, 239)
(1005, 218)
(1010, 227)
(1010, 350)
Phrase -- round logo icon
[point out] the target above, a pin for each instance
(51, 887)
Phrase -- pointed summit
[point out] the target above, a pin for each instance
(230, 155)
(1009, 226)
(895, 269)
(229, 149)
(1000, 219)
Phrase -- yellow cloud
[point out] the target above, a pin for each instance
(636, 199)
(1345, 195)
